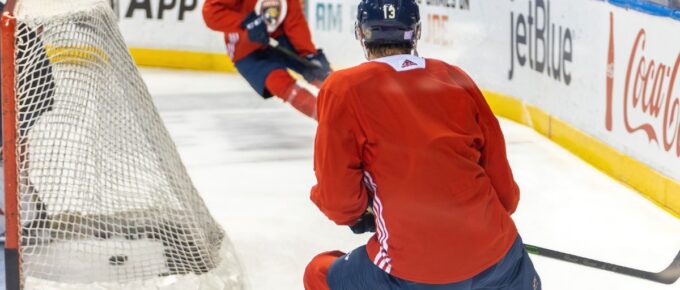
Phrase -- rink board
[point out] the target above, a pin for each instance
(658, 188)
(576, 64)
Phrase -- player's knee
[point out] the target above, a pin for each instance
(278, 82)
(317, 270)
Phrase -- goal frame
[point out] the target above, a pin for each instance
(145, 205)
(12, 258)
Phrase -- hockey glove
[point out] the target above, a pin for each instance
(365, 224)
(316, 75)
(257, 29)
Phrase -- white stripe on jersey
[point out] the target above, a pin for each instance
(382, 259)
(233, 38)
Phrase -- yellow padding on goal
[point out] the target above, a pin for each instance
(83, 55)
(182, 59)
(80, 55)
(660, 189)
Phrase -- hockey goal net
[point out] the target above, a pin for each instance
(97, 196)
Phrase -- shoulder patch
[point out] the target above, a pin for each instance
(408, 63)
(403, 62)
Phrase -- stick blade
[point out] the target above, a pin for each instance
(671, 274)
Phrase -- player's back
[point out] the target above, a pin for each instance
(423, 152)
(413, 108)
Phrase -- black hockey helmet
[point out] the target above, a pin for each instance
(388, 22)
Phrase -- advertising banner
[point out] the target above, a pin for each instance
(167, 24)
(606, 71)
(642, 108)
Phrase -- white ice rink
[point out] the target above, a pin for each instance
(252, 162)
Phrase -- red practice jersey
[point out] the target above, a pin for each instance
(418, 137)
(226, 16)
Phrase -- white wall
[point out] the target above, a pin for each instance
(490, 39)
(513, 47)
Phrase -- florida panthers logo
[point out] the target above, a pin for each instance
(273, 12)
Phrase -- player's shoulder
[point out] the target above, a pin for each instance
(434, 64)
(453, 72)
(437, 63)
(373, 71)
(344, 79)
(377, 68)
(360, 71)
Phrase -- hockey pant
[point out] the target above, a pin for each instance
(355, 271)
(266, 71)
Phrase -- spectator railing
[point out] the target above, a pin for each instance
(663, 8)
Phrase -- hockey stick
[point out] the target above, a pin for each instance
(273, 43)
(273, 13)
(275, 20)
(667, 276)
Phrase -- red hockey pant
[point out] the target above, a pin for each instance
(282, 85)
(316, 271)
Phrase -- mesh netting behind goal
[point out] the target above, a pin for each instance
(104, 197)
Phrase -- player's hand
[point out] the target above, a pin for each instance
(257, 29)
(365, 224)
(317, 75)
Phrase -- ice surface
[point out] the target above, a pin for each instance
(99, 269)
(252, 162)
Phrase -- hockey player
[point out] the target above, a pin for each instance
(248, 26)
(408, 146)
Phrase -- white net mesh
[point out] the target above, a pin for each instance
(104, 198)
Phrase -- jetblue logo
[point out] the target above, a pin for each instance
(535, 40)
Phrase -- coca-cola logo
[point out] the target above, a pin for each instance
(651, 102)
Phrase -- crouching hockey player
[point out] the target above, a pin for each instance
(408, 147)
(249, 26)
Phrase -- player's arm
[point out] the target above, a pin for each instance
(494, 157)
(223, 15)
(495, 160)
(297, 30)
(339, 192)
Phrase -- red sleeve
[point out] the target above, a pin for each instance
(297, 30)
(223, 15)
(339, 192)
(494, 157)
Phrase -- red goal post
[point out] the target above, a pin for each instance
(106, 202)
(9, 151)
